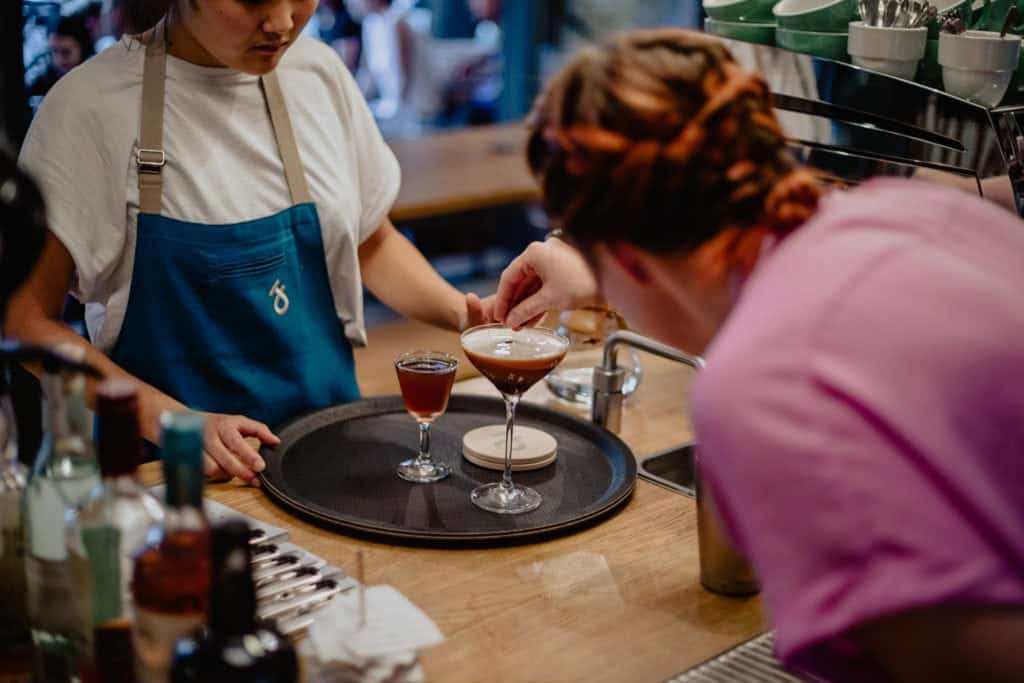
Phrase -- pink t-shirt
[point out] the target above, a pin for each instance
(861, 418)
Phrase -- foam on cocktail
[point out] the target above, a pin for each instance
(507, 344)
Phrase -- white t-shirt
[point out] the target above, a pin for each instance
(223, 165)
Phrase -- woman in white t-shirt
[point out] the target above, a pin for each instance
(217, 193)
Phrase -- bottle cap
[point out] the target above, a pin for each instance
(117, 411)
(182, 436)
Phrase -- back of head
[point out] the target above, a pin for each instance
(662, 140)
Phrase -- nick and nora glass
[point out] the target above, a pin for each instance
(426, 379)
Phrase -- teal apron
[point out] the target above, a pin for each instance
(235, 318)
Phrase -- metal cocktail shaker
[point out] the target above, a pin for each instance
(722, 568)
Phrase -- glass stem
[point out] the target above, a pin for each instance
(510, 419)
(424, 454)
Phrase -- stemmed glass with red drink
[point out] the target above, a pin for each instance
(513, 360)
(426, 378)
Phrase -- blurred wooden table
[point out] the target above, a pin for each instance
(618, 602)
(460, 170)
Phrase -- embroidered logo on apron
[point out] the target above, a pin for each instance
(280, 298)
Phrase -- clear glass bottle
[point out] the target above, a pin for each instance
(15, 636)
(235, 647)
(65, 471)
(110, 529)
(171, 577)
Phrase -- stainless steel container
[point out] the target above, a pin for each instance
(722, 568)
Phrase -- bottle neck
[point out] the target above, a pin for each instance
(67, 411)
(184, 483)
(233, 603)
(56, 406)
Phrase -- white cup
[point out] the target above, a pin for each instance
(978, 65)
(887, 49)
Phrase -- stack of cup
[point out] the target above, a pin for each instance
(887, 49)
(748, 20)
(978, 65)
(815, 27)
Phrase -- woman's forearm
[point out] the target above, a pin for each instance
(33, 316)
(398, 274)
(152, 402)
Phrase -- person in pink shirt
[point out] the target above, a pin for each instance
(861, 417)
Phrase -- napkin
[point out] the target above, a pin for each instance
(394, 626)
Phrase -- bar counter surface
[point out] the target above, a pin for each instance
(461, 170)
(620, 601)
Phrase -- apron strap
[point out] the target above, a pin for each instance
(150, 157)
(289, 151)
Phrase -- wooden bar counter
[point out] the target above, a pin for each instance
(462, 170)
(620, 601)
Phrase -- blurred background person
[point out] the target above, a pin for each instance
(396, 73)
(103, 19)
(476, 81)
(336, 27)
(70, 45)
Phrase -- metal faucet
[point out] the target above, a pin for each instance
(722, 568)
(606, 407)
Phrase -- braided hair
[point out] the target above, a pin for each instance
(662, 140)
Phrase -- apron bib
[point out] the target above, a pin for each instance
(234, 318)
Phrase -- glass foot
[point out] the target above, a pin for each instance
(514, 501)
(422, 472)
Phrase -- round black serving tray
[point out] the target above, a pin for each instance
(337, 467)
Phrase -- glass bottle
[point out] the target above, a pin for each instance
(15, 636)
(171, 578)
(110, 529)
(235, 647)
(65, 471)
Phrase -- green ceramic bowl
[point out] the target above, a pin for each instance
(816, 15)
(756, 11)
(748, 33)
(817, 43)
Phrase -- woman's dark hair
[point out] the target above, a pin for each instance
(662, 140)
(73, 26)
(138, 16)
(22, 225)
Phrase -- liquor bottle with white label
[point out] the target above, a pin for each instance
(110, 529)
(64, 473)
(235, 647)
(171, 578)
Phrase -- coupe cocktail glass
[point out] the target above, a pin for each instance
(513, 360)
(426, 378)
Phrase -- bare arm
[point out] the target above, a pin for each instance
(949, 644)
(34, 316)
(397, 274)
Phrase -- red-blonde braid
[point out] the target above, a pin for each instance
(663, 140)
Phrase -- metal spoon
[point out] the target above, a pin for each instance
(902, 14)
(890, 12)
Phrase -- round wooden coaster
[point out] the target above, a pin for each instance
(531, 448)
